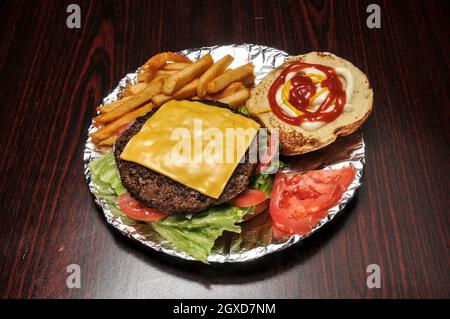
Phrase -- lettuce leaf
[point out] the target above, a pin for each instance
(196, 235)
(244, 110)
(105, 176)
(108, 185)
(263, 182)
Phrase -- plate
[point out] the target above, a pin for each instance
(255, 240)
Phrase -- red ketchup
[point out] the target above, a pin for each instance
(303, 89)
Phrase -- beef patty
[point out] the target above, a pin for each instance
(158, 191)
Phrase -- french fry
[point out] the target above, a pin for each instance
(237, 99)
(158, 60)
(135, 88)
(161, 77)
(109, 141)
(150, 68)
(213, 72)
(160, 99)
(145, 76)
(133, 102)
(249, 80)
(111, 106)
(175, 66)
(181, 78)
(230, 89)
(230, 76)
(187, 91)
(165, 72)
(110, 129)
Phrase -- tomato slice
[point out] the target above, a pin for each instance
(250, 197)
(268, 156)
(134, 209)
(343, 178)
(300, 200)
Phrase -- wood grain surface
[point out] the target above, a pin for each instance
(52, 77)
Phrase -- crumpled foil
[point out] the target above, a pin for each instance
(256, 238)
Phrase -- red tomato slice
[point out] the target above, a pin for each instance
(300, 200)
(277, 233)
(267, 157)
(343, 178)
(250, 197)
(134, 209)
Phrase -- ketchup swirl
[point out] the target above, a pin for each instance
(303, 89)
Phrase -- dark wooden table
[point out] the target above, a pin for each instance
(52, 77)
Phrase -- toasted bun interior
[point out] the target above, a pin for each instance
(294, 139)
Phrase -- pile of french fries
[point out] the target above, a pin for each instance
(170, 76)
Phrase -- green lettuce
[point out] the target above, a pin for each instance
(244, 110)
(263, 182)
(105, 176)
(108, 185)
(196, 235)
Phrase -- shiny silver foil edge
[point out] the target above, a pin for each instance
(265, 60)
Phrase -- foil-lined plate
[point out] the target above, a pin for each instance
(255, 239)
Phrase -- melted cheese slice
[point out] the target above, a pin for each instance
(191, 143)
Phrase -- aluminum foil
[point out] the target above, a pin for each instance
(256, 238)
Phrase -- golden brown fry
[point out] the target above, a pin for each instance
(110, 129)
(230, 89)
(165, 72)
(237, 99)
(160, 99)
(187, 91)
(111, 106)
(145, 76)
(213, 72)
(249, 80)
(109, 141)
(133, 102)
(176, 66)
(181, 78)
(135, 88)
(161, 77)
(158, 60)
(230, 76)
